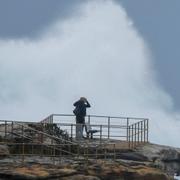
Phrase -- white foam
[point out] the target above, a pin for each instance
(98, 54)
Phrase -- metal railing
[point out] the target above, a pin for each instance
(34, 139)
(137, 133)
(25, 141)
(132, 130)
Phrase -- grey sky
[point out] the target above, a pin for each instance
(24, 18)
(157, 21)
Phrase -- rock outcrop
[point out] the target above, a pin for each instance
(100, 170)
(164, 157)
(147, 162)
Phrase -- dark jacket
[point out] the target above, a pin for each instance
(81, 106)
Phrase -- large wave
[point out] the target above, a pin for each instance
(97, 53)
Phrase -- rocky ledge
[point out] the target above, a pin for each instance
(147, 162)
(100, 170)
(164, 157)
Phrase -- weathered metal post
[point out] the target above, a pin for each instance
(141, 131)
(12, 129)
(71, 131)
(144, 130)
(129, 140)
(127, 127)
(100, 134)
(147, 131)
(138, 133)
(132, 135)
(108, 127)
(51, 119)
(22, 132)
(5, 129)
(23, 143)
(135, 133)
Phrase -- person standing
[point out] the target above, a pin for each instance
(80, 113)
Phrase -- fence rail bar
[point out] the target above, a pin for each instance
(112, 117)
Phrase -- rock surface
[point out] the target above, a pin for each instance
(164, 157)
(100, 170)
(147, 162)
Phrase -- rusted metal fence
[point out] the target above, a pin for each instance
(133, 131)
(113, 134)
(24, 141)
(137, 133)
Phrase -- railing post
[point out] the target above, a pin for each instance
(51, 117)
(132, 136)
(144, 130)
(147, 131)
(23, 152)
(138, 132)
(12, 129)
(129, 140)
(141, 131)
(135, 133)
(127, 133)
(22, 132)
(71, 131)
(108, 127)
(100, 133)
(5, 129)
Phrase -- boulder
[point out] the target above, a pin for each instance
(155, 151)
(165, 157)
(170, 155)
